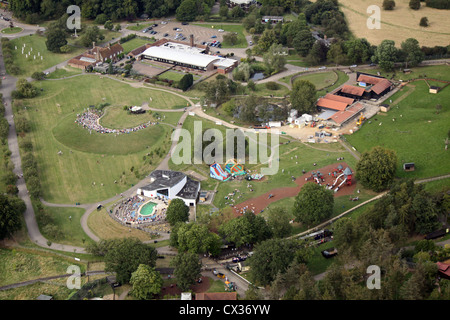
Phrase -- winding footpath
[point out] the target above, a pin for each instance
(8, 85)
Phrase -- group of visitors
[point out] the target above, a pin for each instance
(90, 120)
(128, 211)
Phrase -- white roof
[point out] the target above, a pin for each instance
(225, 62)
(242, 1)
(87, 59)
(181, 56)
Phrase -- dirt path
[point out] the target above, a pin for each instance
(262, 202)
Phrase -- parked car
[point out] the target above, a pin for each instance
(353, 66)
(221, 30)
(214, 36)
(250, 43)
(163, 22)
(176, 28)
(329, 253)
(166, 34)
(155, 25)
(185, 23)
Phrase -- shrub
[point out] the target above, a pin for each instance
(388, 4)
(272, 85)
(424, 22)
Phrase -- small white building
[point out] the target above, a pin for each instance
(275, 124)
(169, 185)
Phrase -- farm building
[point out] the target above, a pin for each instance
(187, 55)
(369, 87)
(434, 89)
(171, 185)
(342, 118)
(96, 55)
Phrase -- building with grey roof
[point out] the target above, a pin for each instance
(169, 185)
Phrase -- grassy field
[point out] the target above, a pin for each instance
(440, 72)
(66, 71)
(398, 24)
(67, 220)
(134, 43)
(37, 43)
(91, 158)
(417, 133)
(17, 265)
(11, 30)
(105, 227)
(333, 79)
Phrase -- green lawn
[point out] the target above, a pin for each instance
(17, 265)
(321, 79)
(134, 43)
(67, 71)
(437, 72)
(12, 30)
(29, 65)
(114, 161)
(417, 134)
(67, 220)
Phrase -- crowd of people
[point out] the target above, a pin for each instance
(128, 211)
(90, 121)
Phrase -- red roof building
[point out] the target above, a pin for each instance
(331, 104)
(353, 90)
(341, 117)
(444, 269)
(330, 96)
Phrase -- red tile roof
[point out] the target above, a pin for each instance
(331, 104)
(381, 86)
(444, 268)
(330, 96)
(342, 116)
(368, 79)
(353, 90)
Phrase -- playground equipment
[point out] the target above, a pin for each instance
(216, 172)
(343, 177)
(234, 168)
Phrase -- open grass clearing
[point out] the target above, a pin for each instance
(91, 158)
(417, 133)
(18, 265)
(12, 30)
(64, 72)
(398, 24)
(29, 65)
(134, 43)
(106, 227)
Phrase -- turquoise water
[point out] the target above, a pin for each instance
(147, 209)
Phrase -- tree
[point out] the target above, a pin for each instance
(146, 282)
(413, 55)
(376, 168)
(267, 39)
(303, 42)
(386, 55)
(11, 209)
(336, 54)
(303, 96)
(269, 258)
(177, 211)
(223, 12)
(318, 53)
(123, 256)
(187, 269)
(274, 60)
(91, 34)
(195, 238)
(414, 4)
(38, 75)
(424, 22)
(388, 4)
(278, 221)
(230, 38)
(358, 50)
(187, 11)
(186, 81)
(56, 38)
(108, 25)
(24, 89)
(248, 228)
(313, 204)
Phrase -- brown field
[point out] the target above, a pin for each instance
(398, 24)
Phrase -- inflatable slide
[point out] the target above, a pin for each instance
(216, 172)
